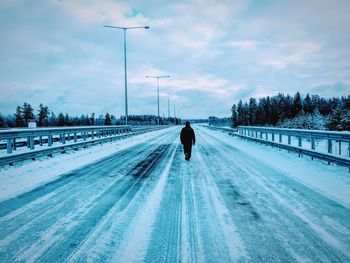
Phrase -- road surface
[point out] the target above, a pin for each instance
(146, 203)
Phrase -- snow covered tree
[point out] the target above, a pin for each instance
(345, 120)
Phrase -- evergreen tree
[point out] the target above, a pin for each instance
(234, 117)
(240, 117)
(67, 121)
(308, 106)
(28, 113)
(108, 120)
(324, 106)
(53, 119)
(345, 120)
(245, 109)
(267, 109)
(92, 119)
(43, 116)
(60, 121)
(19, 117)
(346, 102)
(253, 108)
(2, 121)
(297, 104)
(334, 123)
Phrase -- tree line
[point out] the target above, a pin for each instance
(309, 112)
(47, 118)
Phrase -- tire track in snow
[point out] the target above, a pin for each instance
(142, 227)
(26, 240)
(279, 200)
(115, 197)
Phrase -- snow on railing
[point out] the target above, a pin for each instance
(14, 138)
(330, 142)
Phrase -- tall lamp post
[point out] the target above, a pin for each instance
(158, 77)
(125, 73)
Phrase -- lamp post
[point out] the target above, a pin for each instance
(125, 73)
(158, 77)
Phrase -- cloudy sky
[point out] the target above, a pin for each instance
(216, 52)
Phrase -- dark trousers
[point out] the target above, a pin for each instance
(188, 149)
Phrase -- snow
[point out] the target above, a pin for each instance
(144, 221)
(331, 180)
(138, 200)
(23, 177)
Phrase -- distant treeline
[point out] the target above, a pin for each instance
(309, 112)
(45, 118)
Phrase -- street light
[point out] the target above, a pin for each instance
(125, 74)
(158, 77)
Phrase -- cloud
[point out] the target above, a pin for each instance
(244, 44)
(216, 53)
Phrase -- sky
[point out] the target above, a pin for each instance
(58, 53)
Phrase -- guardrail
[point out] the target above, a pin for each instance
(330, 146)
(30, 137)
(123, 132)
(335, 142)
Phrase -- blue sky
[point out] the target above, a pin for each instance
(216, 52)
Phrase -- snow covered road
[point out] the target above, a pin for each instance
(146, 203)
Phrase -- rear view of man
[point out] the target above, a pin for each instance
(187, 137)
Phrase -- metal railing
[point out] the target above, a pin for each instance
(14, 138)
(106, 135)
(330, 146)
(335, 142)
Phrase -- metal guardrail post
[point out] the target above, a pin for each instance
(289, 140)
(300, 144)
(313, 146)
(75, 137)
(92, 134)
(49, 140)
(9, 146)
(280, 138)
(273, 137)
(31, 143)
(329, 144)
(63, 138)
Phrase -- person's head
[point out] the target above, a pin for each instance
(187, 125)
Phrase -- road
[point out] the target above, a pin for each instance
(146, 203)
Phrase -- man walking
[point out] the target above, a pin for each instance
(187, 138)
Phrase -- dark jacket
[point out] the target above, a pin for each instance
(187, 136)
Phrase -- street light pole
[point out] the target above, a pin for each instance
(125, 71)
(158, 77)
